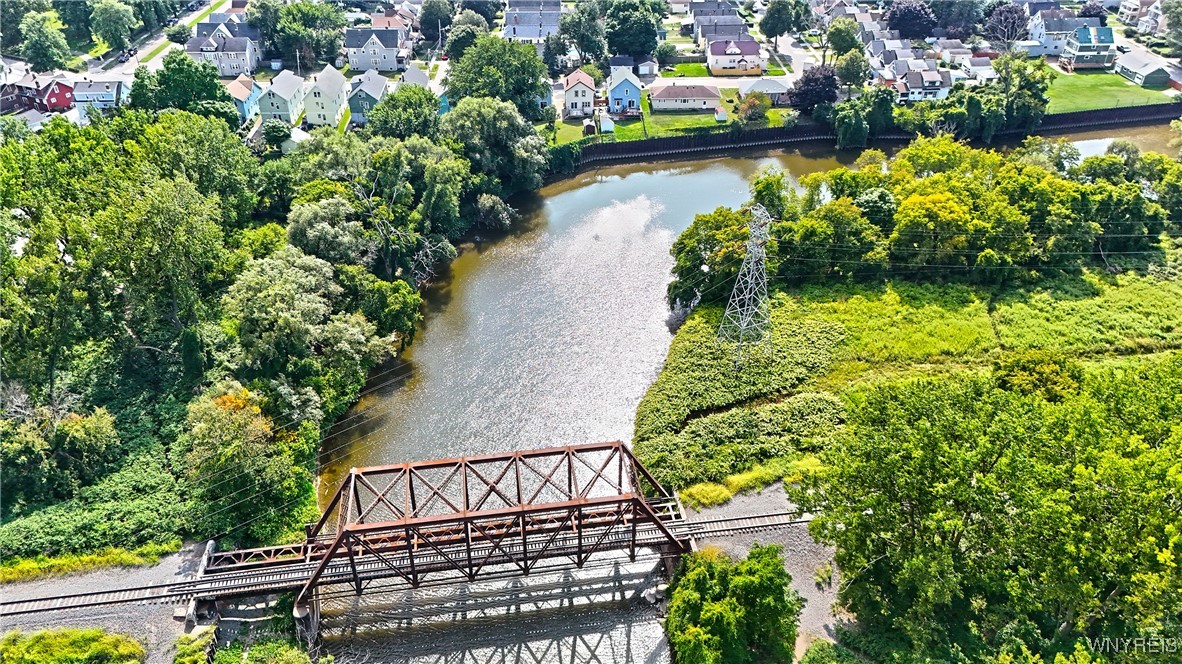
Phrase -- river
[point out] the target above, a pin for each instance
(548, 335)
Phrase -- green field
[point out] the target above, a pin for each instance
(687, 69)
(1087, 91)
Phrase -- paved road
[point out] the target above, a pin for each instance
(147, 46)
(1171, 65)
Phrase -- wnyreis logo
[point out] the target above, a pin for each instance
(1153, 645)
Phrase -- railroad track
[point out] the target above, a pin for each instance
(291, 574)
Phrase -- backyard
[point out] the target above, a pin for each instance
(1086, 91)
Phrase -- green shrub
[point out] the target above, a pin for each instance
(70, 646)
(191, 648)
(25, 569)
(824, 652)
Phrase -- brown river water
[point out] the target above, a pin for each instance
(547, 335)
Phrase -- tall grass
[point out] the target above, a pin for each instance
(70, 646)
(27, 569)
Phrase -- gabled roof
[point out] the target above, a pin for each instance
(359, 37)
(578, 76)
(217, 43)
(223, 17)
(522, 17)
(685, 92)
(1099, 36)
(383, 20)
(621, 61)
(371, 83)
(620, 75)
(415, 76)
(1139, 62)
(980, 62)
(286, 84)
(768, 86)
(732, 47)
(1067, 23)
(330, 82)
(232, 29)
(85, 86)
(241, 88)
(726, 19)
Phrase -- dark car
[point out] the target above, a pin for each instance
(132, 50)
(1122, 48)
(124, 57)
(170, 21)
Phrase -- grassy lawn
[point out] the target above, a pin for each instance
(568, 130)
(213, 6)
(774, 71)
(344, 124)
(1086, 91)
(421, 64)
(687, 69)
(434, 70)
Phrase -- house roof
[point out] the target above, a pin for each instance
(726, 19)
(286, 84)
(230, 29)
(949, 44)
(768, 86)
(359, 37)
(415, 76)
(330, 81)
(1066, 23)
(928, 78)
(217, 43)
(542, 17)
(223, 17)
(685, 92)
(620, 75)
(578, 76)
(1094, 35)
(980, 62)
(241, 87)
(621, 61)
(382, 20)
(86, 86)
(732, 47)
(1139, 63)
(371, 83)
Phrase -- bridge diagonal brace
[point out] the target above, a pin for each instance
(386, 561)
(495, 545)
(436, 492)
(585, 554)
(599, 474)
(547, 478)
(380, 498)
(569, 518)
(493, 487)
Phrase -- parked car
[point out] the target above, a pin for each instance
(170, 21)
(132, 50)
(124, 57)
(1122, 48)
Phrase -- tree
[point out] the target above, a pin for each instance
(707, 256)
(842, 36)
(666, 53)
(553, 50)
(753, 109)
(740, 613)
(327, 230)
(1024, 84)
(784, 17)
(1093, 9)
(13, 128)
(594, 72)
(309, 30)
(12, 12)
(460, 39)
(179, 33)
(850, 125)
(1172, 11)
(494, 67)
(852, 69)
(630, 28)
(486, 8)
(1007, 25)
(472, 18)
(434, 17)
(181, 82)
(912, 18)
(497, 141)
(275, 132)
(409, 111)
(816, 86)
(264, 16)
(112, 21)
(583, 28)
(76, 16)
(958, 17)
(44, 44)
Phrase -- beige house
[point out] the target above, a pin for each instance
(327, 98)
(284, 98)
(734, 58)
(684, 98)
(579, 95)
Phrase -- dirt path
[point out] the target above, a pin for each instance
(152, 624)
(803, 556)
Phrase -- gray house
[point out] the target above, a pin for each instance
(376, 49)
(99, 94)
(365, 91)
(1134, 66)
(530, 26)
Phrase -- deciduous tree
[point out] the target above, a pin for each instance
(435, 16)
(853, 69)
(912, 18)
(494, 67)
(44, 45)
(815, 86)
(1007, 25)
(583, 28)
(112, 21)
(784, 17)
(631, 28)
(409, 111)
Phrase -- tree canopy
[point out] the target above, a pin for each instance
(44, 44)
(630, 27)
(495, 67)
(912, 18)
(112, 21)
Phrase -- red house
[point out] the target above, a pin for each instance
(44, 92)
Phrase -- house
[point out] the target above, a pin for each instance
(237, 7)
(981, 70)
(879, 46)
(626, 61)
(1033, 7)
(1142, 70)
(246, 92)
(1153, 22)
(365, 91)
(284, 98)
(33, 118)
(711, 8)
(1052, 27)
(1089, 48)
(1131, 11)
(676, 97)
(415, 76)
(232, 46)
(580, 95)
(710, 28)
(99, 94)
(530, 26)
(381, 49)
(535, 5)
(46, 93)
(921, 85)
(389, 19)
(648, 67)
(292, 142)
(623, 92)
(734, 58)
(775, 90)
(327, 98)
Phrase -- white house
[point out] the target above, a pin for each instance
(981, 70)
(1153, 22)
(1052, 27)
(284, 98)
(327, 98)
(734, 58)
(382, 49)
(921, 85)
(579, 95)
(775, 90)
(1131, 11)
(99, 94)
(676, 97)
(232, 47)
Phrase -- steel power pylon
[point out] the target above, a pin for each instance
(747, 320)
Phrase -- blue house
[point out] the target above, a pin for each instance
(623, 91)
(246, 92)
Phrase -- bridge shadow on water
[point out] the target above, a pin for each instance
(580, 616)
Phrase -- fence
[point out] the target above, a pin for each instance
(599, 150)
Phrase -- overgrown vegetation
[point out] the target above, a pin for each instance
(70, 646)
(734, 612)
(25, 569)
(266, 651)
(192, 648)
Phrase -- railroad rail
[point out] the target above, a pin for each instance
(449, 521)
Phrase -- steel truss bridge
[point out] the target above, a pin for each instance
(449, 521)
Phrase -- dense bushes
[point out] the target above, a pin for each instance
(733, 613)
(70, 646)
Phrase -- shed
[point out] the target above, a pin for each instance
(1140, 69)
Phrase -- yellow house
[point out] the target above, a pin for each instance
(734, 58)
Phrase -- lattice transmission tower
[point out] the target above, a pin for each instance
(747, 321)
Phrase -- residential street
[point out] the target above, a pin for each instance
(128, 68)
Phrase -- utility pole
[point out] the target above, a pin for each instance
(747, 321)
